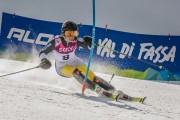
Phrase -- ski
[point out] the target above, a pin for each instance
(133, 99)
(120, 96)
(116, 96)
(136, 99)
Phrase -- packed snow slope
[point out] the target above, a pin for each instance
(43, 95)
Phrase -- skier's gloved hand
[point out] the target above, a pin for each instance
(45, 63)
(87, 40)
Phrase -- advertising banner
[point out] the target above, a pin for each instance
(150, 57)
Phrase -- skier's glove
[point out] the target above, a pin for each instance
(45, 63)
(87, 40)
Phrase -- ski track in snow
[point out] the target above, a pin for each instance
(43, 95)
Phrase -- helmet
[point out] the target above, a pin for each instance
(69, 25)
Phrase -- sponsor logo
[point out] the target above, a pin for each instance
(23, 35)
(65, 50)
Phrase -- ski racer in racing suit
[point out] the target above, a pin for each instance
(67, 64)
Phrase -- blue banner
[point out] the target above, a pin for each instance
(24, 34)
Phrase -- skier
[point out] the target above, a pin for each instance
(67, 64)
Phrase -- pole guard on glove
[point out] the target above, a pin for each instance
(88, 40)
(45, 64)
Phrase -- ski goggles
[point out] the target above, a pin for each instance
(71, 33)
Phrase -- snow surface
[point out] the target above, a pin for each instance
(43, 95)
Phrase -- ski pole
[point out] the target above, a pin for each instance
(111, 78)
(160, 67)
(22, 70)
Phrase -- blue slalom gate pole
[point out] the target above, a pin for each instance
(92, 48)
